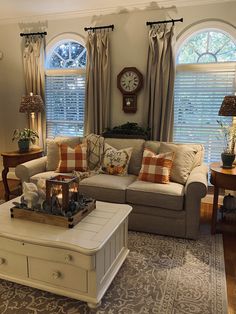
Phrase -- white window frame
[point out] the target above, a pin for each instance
(216, 25)
(200, 27)
(52, 44)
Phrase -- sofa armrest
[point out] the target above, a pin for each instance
(26, 170)
(195, 190)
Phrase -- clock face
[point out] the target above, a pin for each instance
(129, 81)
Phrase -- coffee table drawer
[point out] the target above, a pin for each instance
(59, 255)
(87, 262)
(13, 264)
(58, 274)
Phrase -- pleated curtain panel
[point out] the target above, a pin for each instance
(160, 76)
(33, 62)
(97, 107)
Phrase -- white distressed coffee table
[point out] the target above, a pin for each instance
(79, 263)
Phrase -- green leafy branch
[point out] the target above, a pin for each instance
(25, 135)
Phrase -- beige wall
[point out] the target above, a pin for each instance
(128, 46)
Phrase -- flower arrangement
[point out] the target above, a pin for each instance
(229, 136)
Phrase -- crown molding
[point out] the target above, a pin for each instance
(109, 10)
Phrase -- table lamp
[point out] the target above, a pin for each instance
(31, 104)
(228, 106)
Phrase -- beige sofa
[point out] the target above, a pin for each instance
(169, 209)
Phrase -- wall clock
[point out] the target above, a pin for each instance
(129, 82)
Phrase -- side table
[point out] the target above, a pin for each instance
(220, 178)
(12, 159)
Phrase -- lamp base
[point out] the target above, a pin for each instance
(227, 167)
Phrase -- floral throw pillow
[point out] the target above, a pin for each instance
(156, 168)
(72, 158)
(115, 161)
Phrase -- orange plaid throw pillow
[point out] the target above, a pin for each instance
(156, 168)
(72, 158)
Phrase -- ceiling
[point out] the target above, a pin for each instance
(19, 10)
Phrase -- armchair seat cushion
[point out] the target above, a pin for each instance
(107, 187)
(168, 196)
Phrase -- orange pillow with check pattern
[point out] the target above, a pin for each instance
(72, 158)
(156, 168)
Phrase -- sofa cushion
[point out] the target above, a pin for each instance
(72, 158)
(156, 167)
(183, 162)
(169, 196)
(199, 156)
(105, 187)
(114, 161)
(53, 153)
(137, 154)
(153, 146)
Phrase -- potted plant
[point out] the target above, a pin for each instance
(24, 138)
(229, 136)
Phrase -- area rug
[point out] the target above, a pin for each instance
(161, 275)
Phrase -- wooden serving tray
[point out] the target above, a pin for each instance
(68, 222)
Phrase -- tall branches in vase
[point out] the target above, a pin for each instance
(228, 133)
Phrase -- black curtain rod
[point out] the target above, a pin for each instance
(99, 27)
(163, 22)
(31, 34)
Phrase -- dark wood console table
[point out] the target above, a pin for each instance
(12, 159)
(220, 178)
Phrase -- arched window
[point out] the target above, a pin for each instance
(65, 86)
(205, 74)
(206, 47)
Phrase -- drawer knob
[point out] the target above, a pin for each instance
(68, 258)
(56, 274)
(2, 261)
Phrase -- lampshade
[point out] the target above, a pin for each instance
(228, 107)
(31, 103)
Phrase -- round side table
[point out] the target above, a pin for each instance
(12, 159)
(220, 178)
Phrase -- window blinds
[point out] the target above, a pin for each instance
(198, 97)
(65, 98)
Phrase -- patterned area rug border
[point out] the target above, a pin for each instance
(161, 275)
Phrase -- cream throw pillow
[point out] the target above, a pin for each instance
(115, 161)
(183, 162)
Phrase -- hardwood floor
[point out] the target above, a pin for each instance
(229, 238)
